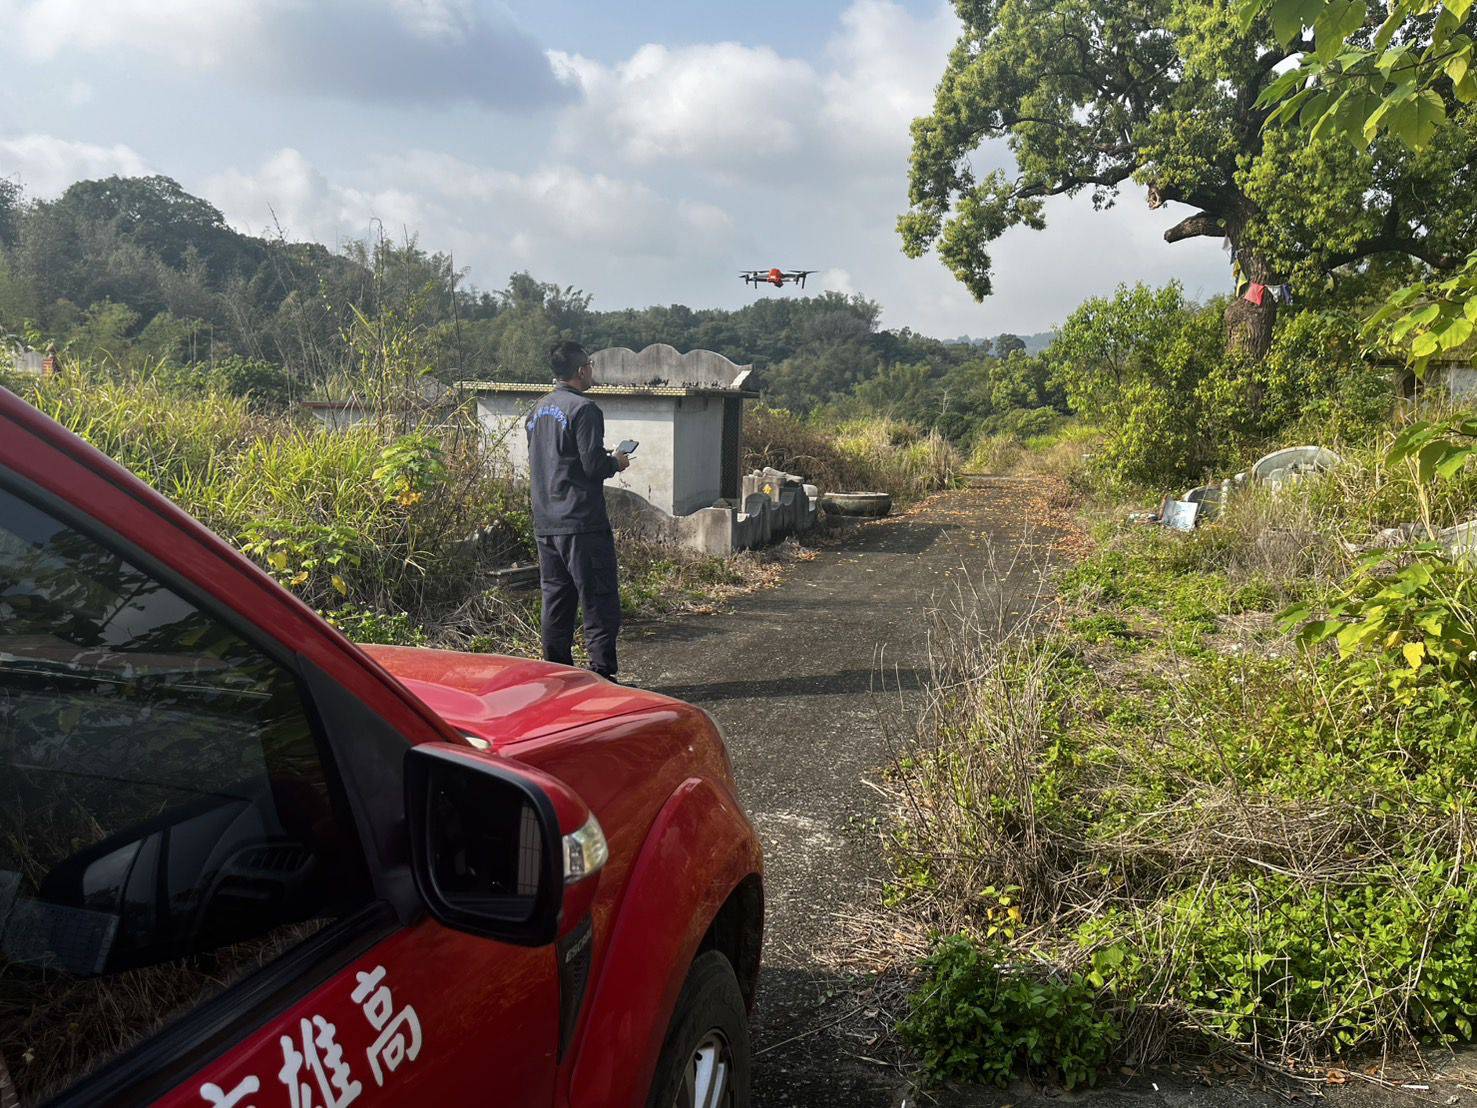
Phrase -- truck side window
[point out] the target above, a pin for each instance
(168, 822)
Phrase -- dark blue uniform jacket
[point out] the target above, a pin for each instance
(568, 464)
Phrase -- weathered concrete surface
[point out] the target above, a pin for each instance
(660, 364)
(786, 673)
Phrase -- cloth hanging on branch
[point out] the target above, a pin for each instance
(1283, 293)
(1256, 292)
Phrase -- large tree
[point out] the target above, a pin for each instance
(10, 198)
(1090, 95)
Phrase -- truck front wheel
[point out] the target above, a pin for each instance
(705, 1059)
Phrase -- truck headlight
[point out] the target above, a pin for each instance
(585, 851)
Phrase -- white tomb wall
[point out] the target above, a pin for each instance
(677, 467)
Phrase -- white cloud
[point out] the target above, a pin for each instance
(377, 50)
(721, 105)
(288, 193)
(735, 110)
(837, 280)
(45, 165)
(558, 220)
(884, 66)
(560, 203)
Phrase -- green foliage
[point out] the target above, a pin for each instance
(264, 384)
(1398, 82)
(1256, 842)
(10, 194)
(1298, 210)
(1268, 951)
(1412, 624)
(960, 400)
(975, 1018)
(1415, 623)
(1132, 363)
(1412, 81)
(371, 626)
(1151, 369)
(364, 516)
(857, 455)
(1431, 318)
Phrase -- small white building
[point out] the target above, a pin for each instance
(685, 411)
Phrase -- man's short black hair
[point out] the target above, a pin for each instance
(566, 358)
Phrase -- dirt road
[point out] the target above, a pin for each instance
(787, 672)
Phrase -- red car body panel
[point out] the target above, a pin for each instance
(506, 700)
(651, 769)
(622, 1039)
(698, 840)
(441, 978)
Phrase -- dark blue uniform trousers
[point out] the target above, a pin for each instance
(579, 571)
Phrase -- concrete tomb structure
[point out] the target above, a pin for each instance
(684, 484)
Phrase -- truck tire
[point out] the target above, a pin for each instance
(705, 1059)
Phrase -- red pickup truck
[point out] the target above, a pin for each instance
(245, 863)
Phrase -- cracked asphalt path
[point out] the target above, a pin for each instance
(789, 674)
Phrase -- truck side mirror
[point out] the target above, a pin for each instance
(486, 847)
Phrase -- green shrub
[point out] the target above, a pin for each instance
(1132, 363)
(975, 1018)
(264, 383)
(1272, 841)
(1150, 367)
(385, 628)
(1027, 423)
(363, 516)
(871, 454)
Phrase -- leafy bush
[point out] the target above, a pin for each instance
(264, 383)
(1131, 364)
(1257, 844)
(975, 1018)
(1151, 369)
(384, 628)
(364, 517)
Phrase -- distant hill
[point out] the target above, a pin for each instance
(138, 273)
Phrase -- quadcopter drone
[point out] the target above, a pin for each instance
(776, 277)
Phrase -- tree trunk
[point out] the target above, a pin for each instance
(1249, 325)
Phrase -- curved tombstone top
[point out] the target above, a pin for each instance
(663, 365)
(1294, 460)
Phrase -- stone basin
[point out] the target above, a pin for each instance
(857, 503)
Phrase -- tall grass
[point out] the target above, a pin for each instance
(876, 454)
(1235, 840)
(377, 516)
(391, 527)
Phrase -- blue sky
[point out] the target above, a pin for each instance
(645, 152)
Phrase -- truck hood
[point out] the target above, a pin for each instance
(507, 700)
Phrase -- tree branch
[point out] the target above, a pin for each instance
(1199, 225)
(1109, 179)
(1392, 244)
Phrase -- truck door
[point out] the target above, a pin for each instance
(188, 912)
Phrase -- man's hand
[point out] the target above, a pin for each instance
(621, 460)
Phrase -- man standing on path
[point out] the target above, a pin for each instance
(568, 466)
